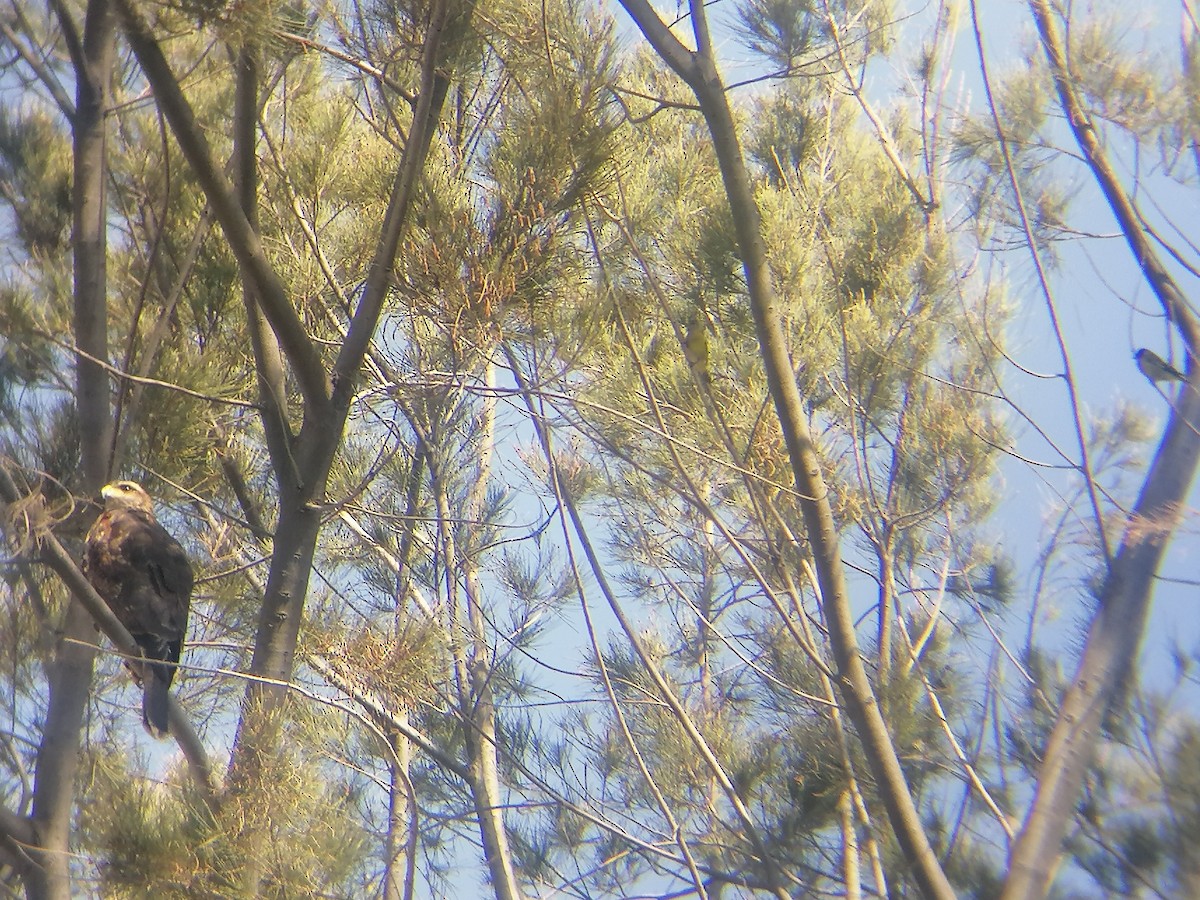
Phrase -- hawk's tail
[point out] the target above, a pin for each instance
(155, 701)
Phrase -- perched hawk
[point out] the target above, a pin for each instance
(145, 577)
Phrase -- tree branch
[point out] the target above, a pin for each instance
(702, 77)
(1156, 274)
(43, 72)
(442, 30)
(683, 62)
(16, 834)
(70, 674)
(241, 237)
(268, 356)
(1117, 629)
(58, 558)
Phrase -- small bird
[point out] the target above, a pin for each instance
(1156, 368)
(144, 576)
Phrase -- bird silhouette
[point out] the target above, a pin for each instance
(1156, 368)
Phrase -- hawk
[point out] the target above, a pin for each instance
(144, 576)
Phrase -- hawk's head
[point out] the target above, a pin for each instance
(126, 495)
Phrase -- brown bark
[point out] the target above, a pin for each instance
(71, 671)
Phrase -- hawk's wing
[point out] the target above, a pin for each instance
(144, 575)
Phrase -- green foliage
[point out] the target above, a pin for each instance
(571, 272)
(140, 830)
(158, 837)
(35, 179)
(790, 35)
(1182, 789)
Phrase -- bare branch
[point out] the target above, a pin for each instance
(430, 99)
(139, 379)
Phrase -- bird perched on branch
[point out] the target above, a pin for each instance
(1156, 368)
(144, 576)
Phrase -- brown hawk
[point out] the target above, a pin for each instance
(144, 576)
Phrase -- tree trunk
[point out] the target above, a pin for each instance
(1117, 629)
(399, 846)
(71, 672)
(480, 712)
